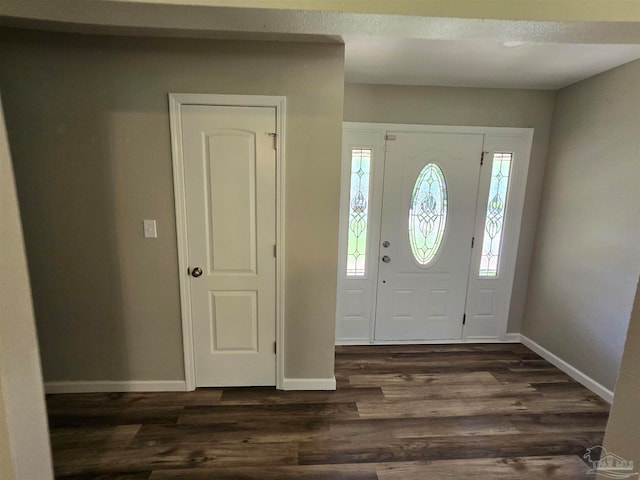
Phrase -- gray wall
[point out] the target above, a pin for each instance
(89, 130)
(624, 422)
(24, 440)
(474, 107)
(587, 255)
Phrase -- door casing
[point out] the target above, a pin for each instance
(176, 100)
(372, 135)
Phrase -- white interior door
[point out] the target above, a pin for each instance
(428, 212)
(230, 183)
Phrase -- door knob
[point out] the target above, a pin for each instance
(196, 272)
(386, 259)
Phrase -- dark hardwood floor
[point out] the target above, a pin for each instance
(400, 412)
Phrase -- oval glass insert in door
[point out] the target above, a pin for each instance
(428, 214)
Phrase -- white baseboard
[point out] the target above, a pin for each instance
(353, 342)
(116, 386)
(309, 383)
(512, 338)
(577, 375)
(486, 340)
(508, 339)
(322, 383)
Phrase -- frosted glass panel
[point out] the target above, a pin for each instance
(358, 212)
(496, 209)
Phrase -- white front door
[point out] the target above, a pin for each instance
(230, 184)
(428, 213)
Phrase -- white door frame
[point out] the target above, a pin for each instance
(176, 100)
(372, 136)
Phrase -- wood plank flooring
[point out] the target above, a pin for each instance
(412, 412)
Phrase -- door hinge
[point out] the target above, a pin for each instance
(275, 140)
(482, 158)
(275, 347)
(464, 319)
(388, 138)
(473, 241)
(275, 251)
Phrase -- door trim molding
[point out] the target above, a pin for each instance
(372, 135)
(176, 100)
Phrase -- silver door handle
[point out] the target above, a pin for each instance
(196, 272)
(386, 259)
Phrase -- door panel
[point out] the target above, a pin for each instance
(229, 167)
(356, 301)
(231, 181)
(416, 301)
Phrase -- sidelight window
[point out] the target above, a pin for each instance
(496, 209)
(358, 212)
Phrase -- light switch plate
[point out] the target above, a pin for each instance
(150, 230)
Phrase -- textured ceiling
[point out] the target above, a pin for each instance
(479, 63)
(380, 48)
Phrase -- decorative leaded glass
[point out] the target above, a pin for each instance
(496, 208)
(428, 214)
(358, 210)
